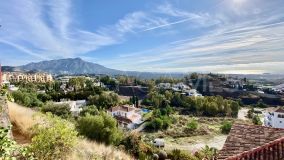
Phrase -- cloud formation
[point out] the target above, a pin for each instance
(226, 37)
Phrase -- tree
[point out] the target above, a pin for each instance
(26, 98)
(92, 110)
(54, 138)
(136, 102)
(78, 83)
(155, 124)
(102, 128)
(194, 76)
(235, 108)
(104, 100)
(61, 110)
(44, 97)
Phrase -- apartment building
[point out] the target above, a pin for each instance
(28, 77)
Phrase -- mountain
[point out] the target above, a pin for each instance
(73, 66)
(69, 66)
(10, 69)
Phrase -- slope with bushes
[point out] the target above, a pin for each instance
(26, 119)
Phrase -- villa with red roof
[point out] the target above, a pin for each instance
(127, 116)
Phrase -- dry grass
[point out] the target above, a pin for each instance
(87, 150)
(24, 118)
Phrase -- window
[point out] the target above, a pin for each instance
(280, 121)
(280, 115)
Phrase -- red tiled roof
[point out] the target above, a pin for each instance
(243, 138)
(280, 110)
(125, 108)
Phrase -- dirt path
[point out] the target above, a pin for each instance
(22, 120)
(243, 113)
(193, 144)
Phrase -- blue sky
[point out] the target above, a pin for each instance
(224, 36)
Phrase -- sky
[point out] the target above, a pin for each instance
(220, 36)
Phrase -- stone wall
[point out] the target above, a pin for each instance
(4, 117)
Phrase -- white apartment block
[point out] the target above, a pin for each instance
(27, 77)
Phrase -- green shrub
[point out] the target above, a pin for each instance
(177, 154)
(54, 138)
(192, 125)
(102, 128)
(207, 153)
(134, 144)
(159, 123)
(226, 127)
(256, 120)
(9, 150)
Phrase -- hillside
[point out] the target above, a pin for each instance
(69, 66)
(24, 118)
(74, 66)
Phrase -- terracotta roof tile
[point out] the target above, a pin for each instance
(244, 138)
(280, 110)
(125, 108)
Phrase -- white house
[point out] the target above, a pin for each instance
(180, 87)
(164, 86)
(274, 118)
(75, 106)
(126, 115)
(13, 88)
(193, 93)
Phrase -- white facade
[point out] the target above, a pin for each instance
(164, 86)
(75, 106)
(274, 119)
(127, 116)
(13, 88)
(180, 87)
(193, 93)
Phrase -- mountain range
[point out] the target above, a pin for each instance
(75, 66)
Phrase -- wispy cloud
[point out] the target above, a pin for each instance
(253, 45)
(221, 38)
(44, 29)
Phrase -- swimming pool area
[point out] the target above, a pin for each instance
(144, 110)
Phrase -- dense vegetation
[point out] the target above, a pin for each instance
(54, 138)
(9, 149)
(28, 99)
(205, 106)
(94, 124)
(101, 127)
(104, 100)
(61, 110)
